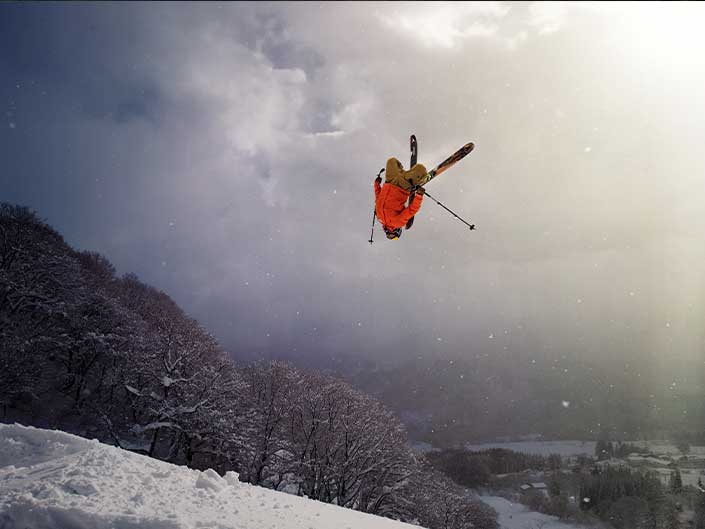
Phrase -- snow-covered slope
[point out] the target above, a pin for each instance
(50, 479)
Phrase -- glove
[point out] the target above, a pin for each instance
(378, 180)
(420, 190)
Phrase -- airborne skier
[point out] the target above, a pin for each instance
(390, 200)
(401, 185)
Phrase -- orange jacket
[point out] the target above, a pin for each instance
(390, 205)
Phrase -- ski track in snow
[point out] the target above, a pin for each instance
(50, 479)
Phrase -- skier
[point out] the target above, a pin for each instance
(390, 200)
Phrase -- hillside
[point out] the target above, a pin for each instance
(107, 357)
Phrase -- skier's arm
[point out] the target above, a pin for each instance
(378, 188)
(408, 212)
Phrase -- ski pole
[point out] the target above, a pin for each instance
(374, 210)
(374, 216)
(471, 226)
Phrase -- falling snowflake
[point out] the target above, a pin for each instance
(588, 149)
(566, 403)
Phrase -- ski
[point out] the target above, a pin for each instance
(413, 147)
(451, 160)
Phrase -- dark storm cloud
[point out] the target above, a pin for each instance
(281, 50)
(225, 153)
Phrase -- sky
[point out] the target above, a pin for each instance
(225, 153)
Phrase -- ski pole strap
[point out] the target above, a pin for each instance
(471, 226)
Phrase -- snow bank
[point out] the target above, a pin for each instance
(22, 446)
(51, 479)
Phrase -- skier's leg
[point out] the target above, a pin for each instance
(395, 174)
(417, 174)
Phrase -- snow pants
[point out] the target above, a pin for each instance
(396, 175)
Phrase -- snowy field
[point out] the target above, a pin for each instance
(517, 516)
(50, 480)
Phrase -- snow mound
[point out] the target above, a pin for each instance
(50, 479)
(23, 446)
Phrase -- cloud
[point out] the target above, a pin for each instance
(444, 24)
(547, 17)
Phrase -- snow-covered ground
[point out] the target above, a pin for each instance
(517, 516)
(50, 479)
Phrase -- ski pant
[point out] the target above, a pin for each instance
(396, 175)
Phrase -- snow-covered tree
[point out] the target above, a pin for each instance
(676, 482)
(267, 449)
(182, 389)
(699, 519)
(431, 499)
(39, 286)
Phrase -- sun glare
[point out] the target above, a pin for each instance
(663, 33)
(444, 24)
